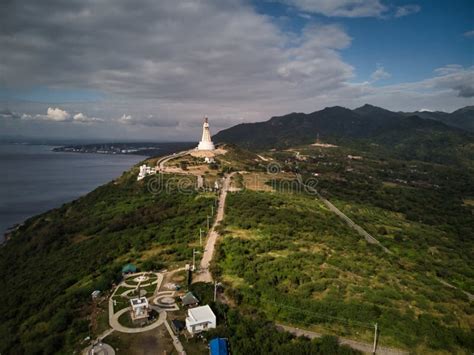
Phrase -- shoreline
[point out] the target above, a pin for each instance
(80, 178)
(164, 149)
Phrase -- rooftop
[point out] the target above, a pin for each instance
(139, 301)
(218, 346)
(189, 299)
(129, 268)
(201, 313)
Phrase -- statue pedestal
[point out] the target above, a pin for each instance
(205, 146)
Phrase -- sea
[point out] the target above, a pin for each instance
(34, 179)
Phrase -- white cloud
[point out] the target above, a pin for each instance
(469, 34)
(181, 60)
(127, 119)
(56, 114)
(456, 78)
(340, 8)
(380, 74)
(407, 10)
(80, 117)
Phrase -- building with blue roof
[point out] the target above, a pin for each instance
(218, 346)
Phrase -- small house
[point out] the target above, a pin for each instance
(189, 300)
(200, 319)
(129, 269)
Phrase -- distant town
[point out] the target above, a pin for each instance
(140, 148)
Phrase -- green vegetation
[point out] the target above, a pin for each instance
(53, 263)
(283, 256)
(290, 256)
(250, 332)
(406, 136)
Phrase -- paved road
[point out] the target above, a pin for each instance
(177, 344)
(163, 160)
(365, 347)
(362, 232)
(204, 275)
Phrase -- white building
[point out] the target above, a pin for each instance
(145, 171)
(200, 319)
(206, 142)
(139, 308)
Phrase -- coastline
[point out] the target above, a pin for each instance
(37, 179)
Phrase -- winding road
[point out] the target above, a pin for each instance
(163, 160)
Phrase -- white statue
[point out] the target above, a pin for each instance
(206, 142)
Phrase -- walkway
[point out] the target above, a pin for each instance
(114, 323)
(204, 275)
(99, 349)
(177, 344)
(113, 317)
(365, 347)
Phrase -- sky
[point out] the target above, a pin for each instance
(151, 70)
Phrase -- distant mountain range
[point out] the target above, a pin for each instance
(366, 122)
(462, 118)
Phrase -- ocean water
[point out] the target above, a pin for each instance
(34, 179)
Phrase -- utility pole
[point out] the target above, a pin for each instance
(375, 338)
(215, 291)
(208, 222)
(194, 258)
(212, 210)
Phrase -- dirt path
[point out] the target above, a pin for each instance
(204, 275)
(362, 232)
(365, 347)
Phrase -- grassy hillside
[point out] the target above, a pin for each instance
(51, 265)
(284, 252)
(295, 260)
(283, 255)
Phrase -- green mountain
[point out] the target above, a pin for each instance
(402, 135)
(462, 118)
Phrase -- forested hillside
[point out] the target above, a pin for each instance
(53, 263)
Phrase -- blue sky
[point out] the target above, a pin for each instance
(76, 69)
(408, 47)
